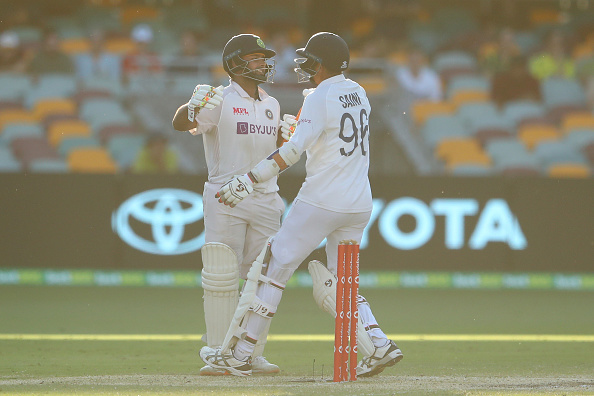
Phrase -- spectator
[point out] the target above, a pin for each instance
(553, 61)
(156, 157)
(418, 79)
(50, 58)
(97, 62)
(142, 60)
(188, 59)
(13, 57)
(515, 84)
(497, 57)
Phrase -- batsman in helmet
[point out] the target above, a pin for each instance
(239, 124)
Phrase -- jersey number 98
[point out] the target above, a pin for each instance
(355, 137)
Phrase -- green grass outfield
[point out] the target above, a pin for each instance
(144, 341)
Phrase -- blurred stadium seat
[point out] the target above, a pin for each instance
(423, 109)
(47, 107)
(558, 152)
(46, 165)
(560, 91)
(14, 86)
(91, 160)
(15, 130)
(69, 143)
(124, 148)
(60, 130)
(440, 127)
(28, 149)
(569, 170)
(533, 134)
(516, 111)
(468, 83)
(12, 116)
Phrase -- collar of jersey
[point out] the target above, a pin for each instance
(332, 80)
(243, 94)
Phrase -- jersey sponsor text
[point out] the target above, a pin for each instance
(245, 128)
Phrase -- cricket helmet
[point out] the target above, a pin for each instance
(327, 49)
(245, 44)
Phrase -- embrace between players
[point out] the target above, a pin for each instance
(247, 145)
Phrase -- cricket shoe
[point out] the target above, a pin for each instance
(210, 371)
(383, 357)
(225, 361)
(262, 366)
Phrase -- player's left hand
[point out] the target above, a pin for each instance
(236, 189)
(287, 126)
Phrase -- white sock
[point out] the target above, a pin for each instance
(243, 349)
(256, 324)
(378, 337)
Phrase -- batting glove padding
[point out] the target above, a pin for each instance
(232, 192)
(204, 96)
(287, 126)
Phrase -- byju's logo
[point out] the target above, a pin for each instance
(242, 128)
(167, 212)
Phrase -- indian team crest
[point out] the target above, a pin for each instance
(261, 43)
(269, 115)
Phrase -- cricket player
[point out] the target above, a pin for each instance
(334, 202)
(239, 125)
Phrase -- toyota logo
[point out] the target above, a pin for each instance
(163, 211)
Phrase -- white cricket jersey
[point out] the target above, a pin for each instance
(238, 134)
(333, 129)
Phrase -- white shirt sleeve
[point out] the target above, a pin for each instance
(311, 122)
(207, 120)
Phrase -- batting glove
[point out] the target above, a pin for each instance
(287, 126)
(236, 189)
(307, 91)
(204, 96)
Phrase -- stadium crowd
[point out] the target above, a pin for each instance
(496, 87)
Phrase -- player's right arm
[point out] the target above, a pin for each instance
(180, 119)
(204, 96)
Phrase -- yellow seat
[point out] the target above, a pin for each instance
(133, 13)
(372, 84)
(75, 46)
(91, 160)
(577, 121)
(16, 115)
(67, 128)
(449, 148)
(532, 134)
(568, 170)
(46, 107)
(539, 16)
(423, 109)
(120, 46)
(463, 96)
(468, 157)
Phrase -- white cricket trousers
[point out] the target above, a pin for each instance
(244, 228)
(302, 231)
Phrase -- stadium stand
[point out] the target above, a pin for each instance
(48, 120)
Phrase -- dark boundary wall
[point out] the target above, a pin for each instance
(65, 221)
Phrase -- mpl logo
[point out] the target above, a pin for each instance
(240, 111)
(168, 219)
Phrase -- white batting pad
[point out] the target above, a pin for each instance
(220, 282)
(248, 295)
(324, 292)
